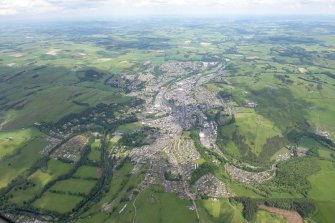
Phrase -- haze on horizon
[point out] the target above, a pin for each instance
(89, 9)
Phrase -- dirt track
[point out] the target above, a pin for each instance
(291, 216)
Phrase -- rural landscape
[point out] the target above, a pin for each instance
(168, 120)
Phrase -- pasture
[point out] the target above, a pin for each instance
(61, 203)
(18, 163)
(40, 178)
(86, 172)
(220, 210)
(323, 192)
(163, 207)
(74, 186)
(10, 141)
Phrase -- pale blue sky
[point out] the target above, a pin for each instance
(112, 8)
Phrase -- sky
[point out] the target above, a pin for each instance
(22, 9)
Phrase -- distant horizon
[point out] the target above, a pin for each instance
(143, 18)
(20, 10)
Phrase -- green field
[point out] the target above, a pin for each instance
(40, 178)
(86, 172)
(163, 207)
(214, 210)
(74, 186)
(61, 203)
(12, 140)
(17, 164)
(266, 217)
(128, 128)
(323, 192)
(119, 187)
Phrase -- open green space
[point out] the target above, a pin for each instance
(220, 210)
(323, 192)
(12, 140)
(61, 203)
(266, 217)
(122, 183)
(74, 186)
(39, 179)
(128, 128)
(15, 165)
(86, 172)
(163, 207)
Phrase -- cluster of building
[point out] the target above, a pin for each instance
(71, 149)
(208, 134)
(182, 157)
(175, 108)
(285, 156)
(244, 176)
(180, 68)
(209, 185)
(52, 143)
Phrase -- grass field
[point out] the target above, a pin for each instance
(214, 210)
(163, 207)
(256, 129)
(252, 133)
(94, 155)
(74, 186)
(61, 203)
(119, 187)
(86, 172)
(40, 178)
(266, 217)
(39, 109)
(10, 141)
(17, 164)
(323, 192)
(128, 128)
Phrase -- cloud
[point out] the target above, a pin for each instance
(11, 7)
(60, 7)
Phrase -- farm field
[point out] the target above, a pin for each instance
(264, 216)
(74, 186)
(40, 178)
(323, 191)
(163, 207)
(61, 203)
(86, 172)
(10, 141)
(15, 165)
(213, 210)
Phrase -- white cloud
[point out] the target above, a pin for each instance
(31, 7)
(10, 7)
